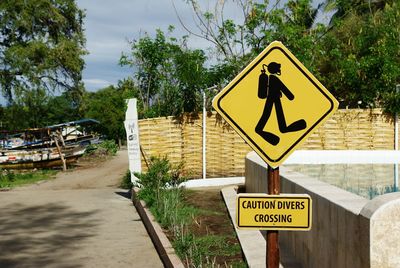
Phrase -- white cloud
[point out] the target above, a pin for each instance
(108, 26)
(93, 84)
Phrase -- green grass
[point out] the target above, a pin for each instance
(179, 218)
(11, 179)
(199, 229)
(210, 248)
(197, 250)
(204, 250)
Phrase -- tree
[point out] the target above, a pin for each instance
(188, 80)
(342, 8)
(237, 40)
(41, 46)
(28, 111)
(225, 34)
(361, 59)
(36, 109)
(167, 74)
(107, 106)
(255, 25)
(294, 25)
(356, 57)
(147, 57)
(63, 108)
(2, 117)
(169, 77)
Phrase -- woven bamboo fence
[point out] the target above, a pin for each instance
(181, 140)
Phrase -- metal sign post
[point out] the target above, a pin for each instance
(272, 259)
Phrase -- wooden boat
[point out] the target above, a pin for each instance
(73, 133)
(39, 158)
(56, 145)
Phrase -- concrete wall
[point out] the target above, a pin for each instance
(383, 213)
(347, 230)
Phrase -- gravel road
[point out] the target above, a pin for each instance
(80, 219)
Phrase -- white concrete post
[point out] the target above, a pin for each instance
(132, 135)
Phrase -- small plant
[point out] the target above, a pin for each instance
(110, 146)
(107, 147)
(126, 181)
(90, 149)
(161, 175)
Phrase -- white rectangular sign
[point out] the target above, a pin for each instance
(132, 135)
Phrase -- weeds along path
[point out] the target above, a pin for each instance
(79, 219)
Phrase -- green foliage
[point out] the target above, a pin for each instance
(171, 212)
(161, 175)
(392, 101)
(342, 7)
(63, 108)
(294, 27)
(203, 250)
(41, 46)
(110, 146)
(361, 59)
(37, 109)
(357, 57)
(107, 106)
(158, 188)
(90, 149)
(126, 182)
(10, 179)
(105, 148)
(168, 75)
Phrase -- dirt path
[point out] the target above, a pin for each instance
(80, 219)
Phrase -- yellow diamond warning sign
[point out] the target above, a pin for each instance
(274, 212)
(275, 103)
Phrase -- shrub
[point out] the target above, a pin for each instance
(161, 175)
(90, 149)
(110, 146)
(107, 147)
(126, 181)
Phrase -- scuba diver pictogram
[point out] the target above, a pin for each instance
(271, 88)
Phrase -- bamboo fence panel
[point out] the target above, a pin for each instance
(192, 147)
(181, 140)
(160, 137)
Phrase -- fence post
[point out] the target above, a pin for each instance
(204, 135)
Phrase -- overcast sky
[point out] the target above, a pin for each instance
(108, 26)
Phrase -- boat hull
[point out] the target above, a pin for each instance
(30, 159)
(38, 164)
